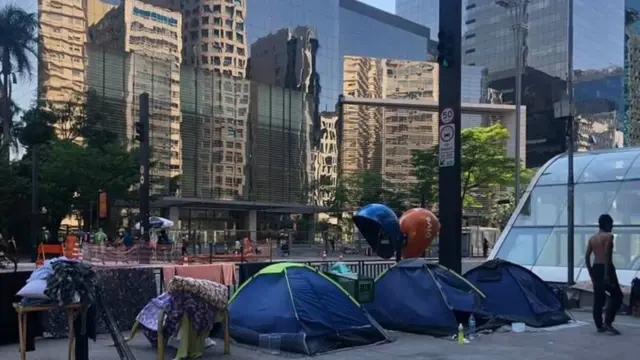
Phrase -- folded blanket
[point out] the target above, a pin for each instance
(71, 282)
(211, 292)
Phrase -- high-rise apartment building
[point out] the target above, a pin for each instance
(61, 69)
(423, 12)
(488, 41)
(151, 37)
(406, 130)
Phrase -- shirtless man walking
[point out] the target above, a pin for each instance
(603, 275)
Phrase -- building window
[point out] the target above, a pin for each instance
(470, 51)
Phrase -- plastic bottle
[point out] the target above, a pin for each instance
(472, 326)
(460, 334)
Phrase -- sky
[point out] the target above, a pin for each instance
(25, 91)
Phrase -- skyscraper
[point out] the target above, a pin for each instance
(61, 71)
(488, 41)
(214, 40)
(423, 12)
(151, 37)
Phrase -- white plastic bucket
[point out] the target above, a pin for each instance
(518, 327)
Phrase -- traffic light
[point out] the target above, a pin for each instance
(139, 131)
(445, 49)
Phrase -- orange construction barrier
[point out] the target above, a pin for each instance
(55, 250)
(72, 247)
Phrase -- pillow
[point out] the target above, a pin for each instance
(34, 289)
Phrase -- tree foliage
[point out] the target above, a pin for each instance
(77, 158)
(484, 163)
(18, 42)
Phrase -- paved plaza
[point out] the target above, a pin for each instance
(569, 342)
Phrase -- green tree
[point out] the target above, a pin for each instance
(484, 165)
(83, 159)
(426, 170)
(14, 201)
(18, 41)
(357, 190)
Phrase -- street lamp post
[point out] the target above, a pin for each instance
(518, 9)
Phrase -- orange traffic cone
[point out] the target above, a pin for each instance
(324, 254)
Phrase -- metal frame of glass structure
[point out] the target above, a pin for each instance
(607, 181)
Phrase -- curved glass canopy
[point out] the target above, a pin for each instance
(606, 182)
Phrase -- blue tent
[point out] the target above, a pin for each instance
(308, 311)
(515, 294)
(419, 297)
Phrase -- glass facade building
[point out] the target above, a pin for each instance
(598, 47)
(607, 181)
(423, 12)
(342, 28)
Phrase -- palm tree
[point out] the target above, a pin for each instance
(18, 39)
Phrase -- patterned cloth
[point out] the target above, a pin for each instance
(211, 292)
(71, 282)
(200, 312)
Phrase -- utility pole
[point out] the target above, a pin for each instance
(449, 108)
(518, 9)
(570, 149)
(142, 135)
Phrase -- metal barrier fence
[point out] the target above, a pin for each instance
(366, 268)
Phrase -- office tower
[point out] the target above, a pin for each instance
(96, 9)
(598, 45)
(343, 28)
(286, 59)
(340, 28)
(213, 40)
(360, 143)
(599, 107)
(151, 38)
(61, 69)
(406, 130)
(382, 140)
(423, 12)
(326, 159)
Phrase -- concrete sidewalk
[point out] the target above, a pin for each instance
(569, 342)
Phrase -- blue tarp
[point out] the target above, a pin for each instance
(416, 296)
(515, 294)
(308, 312)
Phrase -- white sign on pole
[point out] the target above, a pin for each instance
(447, 145)
(446, 116)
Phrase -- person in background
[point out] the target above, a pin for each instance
(99, 237)
(185, 245)
(603, 275)
(125, 238)
(485, 247)
(163, 238)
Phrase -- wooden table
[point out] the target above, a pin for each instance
(22, 324)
